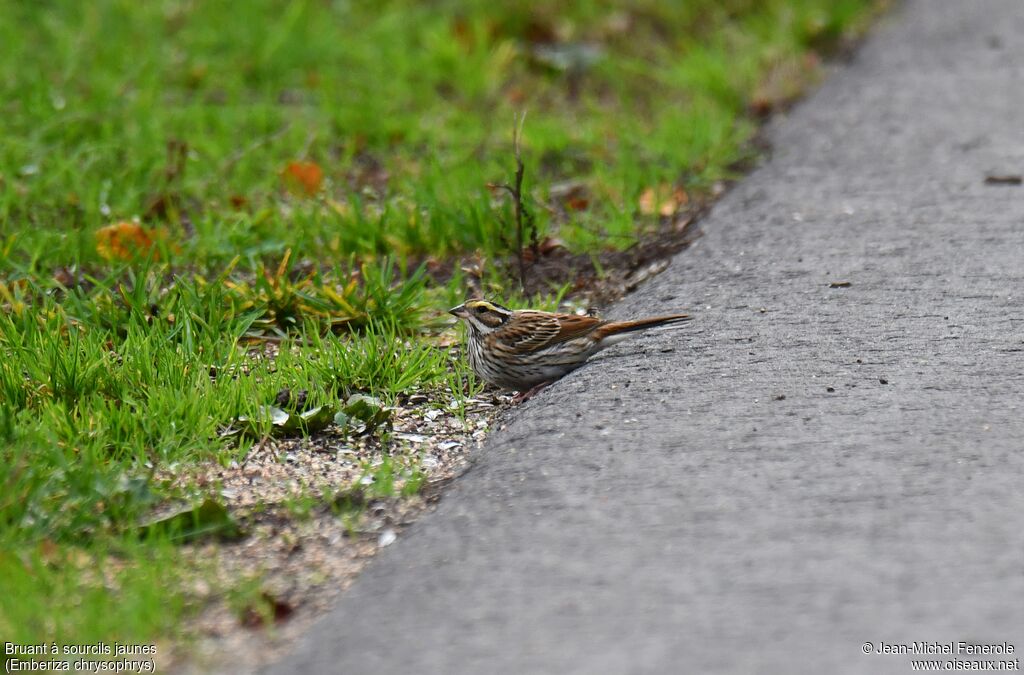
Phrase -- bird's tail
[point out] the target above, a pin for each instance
(644, 324)
(616, 330)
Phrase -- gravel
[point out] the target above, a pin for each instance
(300, 563)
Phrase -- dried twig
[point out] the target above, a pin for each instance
(519, 209)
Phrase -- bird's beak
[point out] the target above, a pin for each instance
(459, 312)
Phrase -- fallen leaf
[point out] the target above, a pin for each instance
(367, 410)
(304, 176)
(317, 418)
(284, 423)
(549, 245)
(573, 195)
(126, 240)
(577, 203)
(546, 247)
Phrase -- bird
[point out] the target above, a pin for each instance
(527, 349)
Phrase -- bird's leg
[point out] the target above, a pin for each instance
(529, 393)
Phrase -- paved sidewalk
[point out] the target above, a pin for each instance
(800, 470)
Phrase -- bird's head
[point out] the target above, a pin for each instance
(481, 316)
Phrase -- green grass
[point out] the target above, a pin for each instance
(118, 363)
(406, 106)
(73, 596)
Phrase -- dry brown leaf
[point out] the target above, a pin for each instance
(306, 177)
(573, 195)
(549, 245)
(577, 203)
(127, 239)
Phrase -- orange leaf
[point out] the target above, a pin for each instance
(125, 240)
(573, 195)
(306, 176)
(577, 203)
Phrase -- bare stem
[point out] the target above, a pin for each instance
(517, 195)
(518, 208)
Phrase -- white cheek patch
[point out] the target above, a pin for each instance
(478, 325)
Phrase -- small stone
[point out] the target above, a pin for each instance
(387, 537)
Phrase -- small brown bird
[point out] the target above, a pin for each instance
(525, 349)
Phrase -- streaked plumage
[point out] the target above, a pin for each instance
(524, 348)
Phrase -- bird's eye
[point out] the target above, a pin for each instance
(480, 309)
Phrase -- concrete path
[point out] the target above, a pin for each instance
(802, 469)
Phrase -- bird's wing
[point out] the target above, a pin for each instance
(533, 331)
